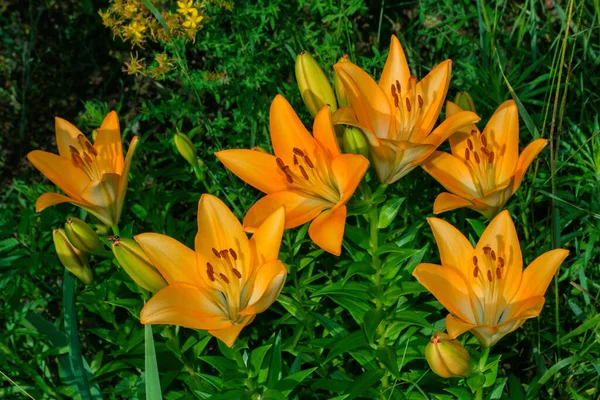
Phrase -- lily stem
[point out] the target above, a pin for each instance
(485, 352)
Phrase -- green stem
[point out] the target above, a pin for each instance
(485, 352)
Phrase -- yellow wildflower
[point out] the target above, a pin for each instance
(185, 7)
(193, 19)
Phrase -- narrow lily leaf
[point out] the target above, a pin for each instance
(387, 356)
(275, 367)
(81, 377)
(153, 391)
(288, 384)
(368, 379)
(372, 319)
(256, 359)
(389, 211)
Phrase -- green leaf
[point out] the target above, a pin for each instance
(81, 377)
(372, 319)
(477, 226)
(221, 364)
(389, 211)
(348, 343)
(272, 394)
(288, 384)
(387, 356)
(366, 380)
(533, 389)
(256, 359)
(476, 382)
(152, 378)
(515, 389)
(460, 393)
(275, 364)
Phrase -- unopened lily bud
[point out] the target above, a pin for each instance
(82, 236)
(136, 263)
(447, 357)
(71, 258)
(354, 142)
(465, 101)
(340, 90)
(186, 148)
(315, 89)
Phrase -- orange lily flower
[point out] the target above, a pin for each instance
(485, 288)
(398, 115)
(484, 169)
(222, 285)
(308, 174)
(93, 176)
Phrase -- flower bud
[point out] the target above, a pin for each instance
(71, 258)
(340, 90)
(354, 142)
(447, 357)
(314, 85)
(135, 262)
(465, 101)
(186, 148)
(82, 236)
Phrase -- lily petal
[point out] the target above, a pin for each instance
(325, 134)
(450, 126)
(256, 168)
(264, 287)
(348, 170)
(103, 192)
(452, 173)
(538, 275)
(370, 103)
(287, 131)
(526, 158)
(395, 69)
(125, 176)
(458, 141)
(490, 204)
(66, 135)
(109, 146)
(61, 172)
(449, 287)
(456, 327)
(219, 229)
(448, 201)
(434, 87)
(265, 242)
(327, 230)
(523, 309)
(230, 334)
(502, 134)
(455, 249)
(51, 198)
(299, 209)
(184, 305)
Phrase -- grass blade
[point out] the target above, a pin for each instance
(153, 391)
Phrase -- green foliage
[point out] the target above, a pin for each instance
(333, 332)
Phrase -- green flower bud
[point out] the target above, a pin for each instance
(465, 101)
(447, 357)
(314, 85)
(136, 263)
(186, 148)
(340, 90)
(71, 258)
(354, 142)
(82, 236)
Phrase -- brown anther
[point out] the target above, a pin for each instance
(467, 155)
(298, 151)
(295, 160)
(77, 160)
(226, 279)
(393, 91)
(303, 172)
(236, 273)
(286, 169)
(485, 151)
(420, 100)
(489, 274)
(216, 253)
(308, 162)
(473, 132)
(233, 254)
(73, 149)
(91, 148)
(470, 144)
(224, 253)
(493, 254)
(209, 268)
(289, 178)
(501, 262)
(484, 140)
(408, 108)
(476, 272)
(280, 163)
(475, 260)
(487, 249)
(491, 158)
(396, 101)
(398, 87)
(477, 159)
(211, 276)
(498, 273)
(87, 158)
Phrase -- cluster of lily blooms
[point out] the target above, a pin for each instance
(228, 279)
